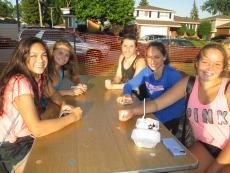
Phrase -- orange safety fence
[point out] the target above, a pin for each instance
(98, 54)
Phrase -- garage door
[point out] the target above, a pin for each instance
(147, 30)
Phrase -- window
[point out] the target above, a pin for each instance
(137, 13)
(150, 14)
(170, 15)
(164, 15)
(158, 14)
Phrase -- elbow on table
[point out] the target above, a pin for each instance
(36, 131)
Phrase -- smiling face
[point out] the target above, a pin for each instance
(155, 59)
(37, 59)
(128, 48)
(61, 54)
(211, 64)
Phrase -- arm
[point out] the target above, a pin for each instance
(115, 84)
(39, 127)
(177, 92)
(74, 90)
(131, 85)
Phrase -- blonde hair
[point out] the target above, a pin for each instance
(71, 66)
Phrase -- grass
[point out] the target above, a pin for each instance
(187, 68)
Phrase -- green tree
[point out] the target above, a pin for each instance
(6, 8)
(190, 32)
(204, 30)
(118, 12)
(143, 3)
(182, 30)
(217, 6)
(29, 12)
(194, 12)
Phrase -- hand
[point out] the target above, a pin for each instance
(76, 113)
(125, 115)
(66, 107)
(125, 100)
(79, 89)
(82, 86)
(108, 84)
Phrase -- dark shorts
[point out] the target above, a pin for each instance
(214, 151)
(13, 153)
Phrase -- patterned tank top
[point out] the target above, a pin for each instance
(127, 74)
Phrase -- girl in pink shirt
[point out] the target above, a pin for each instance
(21, 87)
(207, 109)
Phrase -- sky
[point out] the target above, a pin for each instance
(181, 7)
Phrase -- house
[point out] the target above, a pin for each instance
(223, 29)
(155, 20)
(220, 24)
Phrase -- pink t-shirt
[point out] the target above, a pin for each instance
(211, 122)
(17, 86)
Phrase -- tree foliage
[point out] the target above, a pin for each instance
(143, 3)
(29, 12)
(194, 11)
(204, 29)
(217, 6)
(182, 30)
(119, 11)
(6, 8)
(190, 32)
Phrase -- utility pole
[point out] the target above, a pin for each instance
(51, 16)
(40, 13)
(18, 17)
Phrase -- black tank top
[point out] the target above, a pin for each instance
(127, 74)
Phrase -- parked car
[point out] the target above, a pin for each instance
(175, 41)
(179, 50)
(89, 52)
(220, 38)
(149, 38)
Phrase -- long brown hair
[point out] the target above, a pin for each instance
(17, 67)
(71, 66)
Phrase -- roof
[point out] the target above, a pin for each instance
(226, 25)
(217, 17)
(185, 19)
(158, 22)
(149, 7)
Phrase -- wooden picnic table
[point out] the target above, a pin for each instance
(100, 143)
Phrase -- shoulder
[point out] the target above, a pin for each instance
(19, 85)
(19, 80)
(171, 71)
(140, 62)
(121, 57)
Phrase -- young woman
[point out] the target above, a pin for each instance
(64, 65)
(158, 77)
(21, 87)
(207, 109)
(129, 64)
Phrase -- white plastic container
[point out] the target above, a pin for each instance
(147, 123)
(145, 137)
(146, 133)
